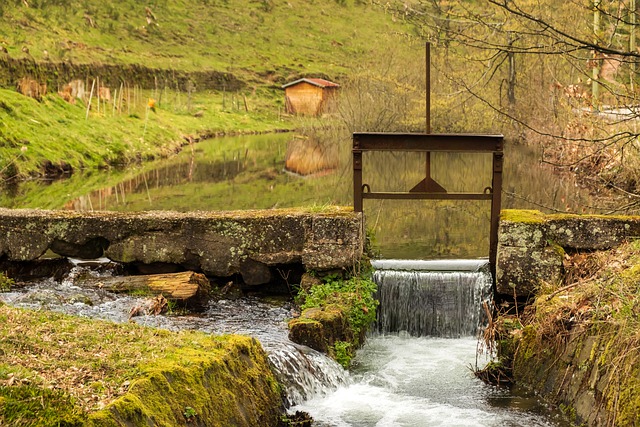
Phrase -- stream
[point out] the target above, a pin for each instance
(413, 370)
(399, 378)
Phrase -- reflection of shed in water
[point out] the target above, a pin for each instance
(309, 156)
(310, 97)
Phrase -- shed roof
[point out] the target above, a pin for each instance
(316, 82)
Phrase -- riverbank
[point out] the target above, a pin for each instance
(576, 344)
(64, 370)
(128, 82)
(52, 138)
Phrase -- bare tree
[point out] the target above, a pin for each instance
(560, 74)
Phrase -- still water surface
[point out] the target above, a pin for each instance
(247, 172)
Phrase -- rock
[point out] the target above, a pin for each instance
(522, 228)
(230, 291)
(254, 272)
(308, 332)
(91, 249)
(531, 245)
(522, 270)
(319, 328)
(591, 232)
(57, 268)
(308, 281)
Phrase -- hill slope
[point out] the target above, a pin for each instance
(267, 37)
(256, 45)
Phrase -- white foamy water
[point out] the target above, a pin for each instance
(406, 381)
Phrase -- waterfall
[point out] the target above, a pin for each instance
(434, 298)
(304, 372)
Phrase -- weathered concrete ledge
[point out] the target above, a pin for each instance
(531, 245)
(215, 243)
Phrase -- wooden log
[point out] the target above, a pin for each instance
(188, 288)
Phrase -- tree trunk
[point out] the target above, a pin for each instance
(187, 287)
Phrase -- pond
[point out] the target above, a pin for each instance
(247, 172)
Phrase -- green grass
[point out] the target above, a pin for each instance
(32, 132)
(264, 38)
(263, 43)
(57, 369)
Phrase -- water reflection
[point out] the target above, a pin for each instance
(248, 172)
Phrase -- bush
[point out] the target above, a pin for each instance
(6, 283)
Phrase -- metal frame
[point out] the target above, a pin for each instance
(428, 189)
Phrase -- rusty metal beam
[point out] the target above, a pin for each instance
(357, 180)
(428, 88)
(427, 142)
(427, 196)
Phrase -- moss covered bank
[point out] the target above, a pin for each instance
(336, 314)
(58, 370)
(577, 343)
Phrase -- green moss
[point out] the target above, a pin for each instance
(522, 215)
(31, 406)
(560, 217)
(6, 283)
(354, 297)
(343, 352)
(226, 380)
(233, 386)
(302, 320)
(336, 315)
(569, 412)
(557, 248)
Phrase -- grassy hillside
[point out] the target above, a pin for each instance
(261, 37)
(261, 43)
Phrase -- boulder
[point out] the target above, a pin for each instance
(522, 269)
(531, 245)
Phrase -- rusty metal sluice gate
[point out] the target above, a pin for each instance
(428, 189)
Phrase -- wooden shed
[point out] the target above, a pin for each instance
(310, 97)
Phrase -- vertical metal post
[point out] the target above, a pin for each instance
(496, 191)
(632, 38)
(357, 175)
(428, 110)
(428, 87)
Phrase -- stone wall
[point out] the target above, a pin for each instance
(573, 369)
(576, 341)
(532, 245)
(216, 243)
